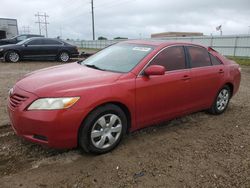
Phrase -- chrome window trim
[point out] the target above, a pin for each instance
(44, 45)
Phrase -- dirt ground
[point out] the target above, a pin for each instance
(198, 150)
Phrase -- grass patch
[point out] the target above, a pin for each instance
(241, 60)
(88, 49)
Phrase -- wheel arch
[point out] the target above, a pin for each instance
(231, 86)
(63, 50)
(121, 105)
(10, 50)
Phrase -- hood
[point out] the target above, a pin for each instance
(60, 80)
(6, 41)
(7, 45)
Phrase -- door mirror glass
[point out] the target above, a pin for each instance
(154, 70)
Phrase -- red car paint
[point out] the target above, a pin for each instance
(148, 100)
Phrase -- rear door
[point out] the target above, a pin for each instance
(206, 78)
(163, 96)
(50, 47)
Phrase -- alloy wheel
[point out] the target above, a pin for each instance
(106, 131)
(64, 56)
(222, 99)
(13, 57)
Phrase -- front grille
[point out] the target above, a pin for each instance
(16, 100)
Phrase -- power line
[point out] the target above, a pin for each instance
(42, 23)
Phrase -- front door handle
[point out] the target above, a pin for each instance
(186, 77)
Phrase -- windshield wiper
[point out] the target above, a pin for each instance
(93, 66)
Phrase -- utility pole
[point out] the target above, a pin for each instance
(42, 23)
(39, 22)
(46, 23)
(93, 19)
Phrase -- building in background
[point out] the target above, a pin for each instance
(176, 34)
(8, 28)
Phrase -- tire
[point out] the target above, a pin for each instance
(12, 56)
(221, 101)
(97, 135)
(64, 57)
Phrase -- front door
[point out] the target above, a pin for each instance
(32, 49)
(163, 96)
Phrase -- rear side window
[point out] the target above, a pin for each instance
(199, 57)
(215, 60)
(172, 58)
(51, 42)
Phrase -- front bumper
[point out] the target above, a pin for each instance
(53, 128)
(1, 53)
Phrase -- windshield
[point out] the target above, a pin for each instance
(118, 58)
(24, 41)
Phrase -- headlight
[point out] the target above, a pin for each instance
(53, 103)
(1, 49)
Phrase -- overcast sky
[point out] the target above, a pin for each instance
(130, 18)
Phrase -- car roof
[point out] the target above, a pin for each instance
(43, 38)
(161, 43)
(30, 35)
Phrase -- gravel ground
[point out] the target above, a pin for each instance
(198, 150)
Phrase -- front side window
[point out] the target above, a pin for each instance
(172, 58)
(118, 58)
(198, 57)
(35, 42)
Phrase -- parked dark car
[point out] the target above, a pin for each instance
(17, 39)
(38, 48)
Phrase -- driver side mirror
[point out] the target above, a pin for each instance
(25, 45)
(154, 70)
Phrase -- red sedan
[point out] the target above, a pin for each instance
(125, 87)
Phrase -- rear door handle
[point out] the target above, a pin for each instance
(221, 71)
(186, 77)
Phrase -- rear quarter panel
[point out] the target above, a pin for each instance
(232, 72)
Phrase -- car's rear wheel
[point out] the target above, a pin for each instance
(222, 100)
(103, 129)
(64, 57)
(12, 56)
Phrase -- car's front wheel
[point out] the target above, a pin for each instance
(222, 100)
(103, 129)
(12, 56)
(64, 57)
